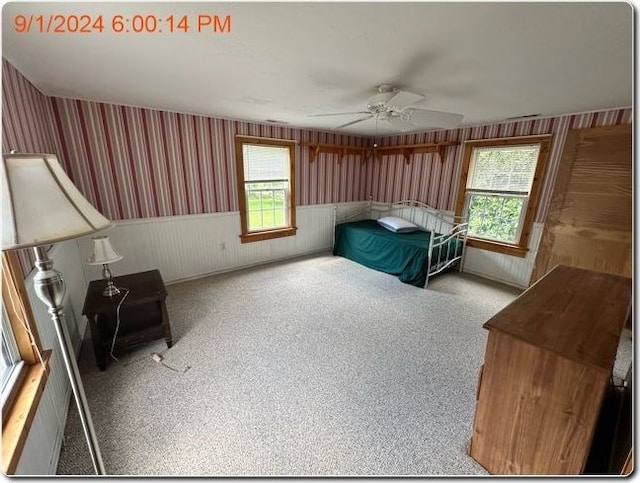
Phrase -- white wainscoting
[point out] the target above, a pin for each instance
(42, 448)
(187, 247)
(507, 269)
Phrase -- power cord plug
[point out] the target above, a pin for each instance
(160, 360)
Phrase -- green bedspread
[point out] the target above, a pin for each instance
(401, 254)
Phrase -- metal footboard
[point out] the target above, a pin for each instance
(457, 234)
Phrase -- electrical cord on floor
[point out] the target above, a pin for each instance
(156, 357)
(115, 334)
(159, 359)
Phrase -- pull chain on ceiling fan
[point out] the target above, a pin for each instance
(375, 133)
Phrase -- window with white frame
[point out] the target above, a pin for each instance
(11, 363)
(265, 187)
(499, 190)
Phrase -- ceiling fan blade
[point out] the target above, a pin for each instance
(353, 122)
(401, 125)
(422, 118)
(339, 114)
(403, 99)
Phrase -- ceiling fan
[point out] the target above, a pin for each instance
(391, 105)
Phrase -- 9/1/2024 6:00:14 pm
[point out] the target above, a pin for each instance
(120, 24)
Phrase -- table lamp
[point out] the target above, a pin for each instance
(40, 206)
(104, 254)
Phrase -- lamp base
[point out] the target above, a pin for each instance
(110, 290)
(50, 288)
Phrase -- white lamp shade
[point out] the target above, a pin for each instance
(41, 205)
(103, 252)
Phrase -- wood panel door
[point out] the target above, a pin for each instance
(589, 224)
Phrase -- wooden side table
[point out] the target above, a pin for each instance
(143, 314)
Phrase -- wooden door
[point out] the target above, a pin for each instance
(589, 224)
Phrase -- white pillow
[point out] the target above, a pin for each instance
(397, 225)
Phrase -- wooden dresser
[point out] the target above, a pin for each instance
(547, 364)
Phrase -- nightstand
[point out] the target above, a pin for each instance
(143, 314)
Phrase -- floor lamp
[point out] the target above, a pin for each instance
(40, 206)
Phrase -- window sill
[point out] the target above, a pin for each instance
(497, 247)
(22, 412)
(267, 235)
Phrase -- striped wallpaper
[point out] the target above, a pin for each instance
(25, 115)
(434, 182)
(25, 126)
(142, 163)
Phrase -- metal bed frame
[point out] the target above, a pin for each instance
(442, 225)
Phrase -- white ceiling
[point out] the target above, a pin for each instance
(284, 61)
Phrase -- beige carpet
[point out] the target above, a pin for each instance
(316, 366)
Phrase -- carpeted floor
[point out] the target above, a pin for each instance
(316, 366)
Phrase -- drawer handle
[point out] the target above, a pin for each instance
(479, 382)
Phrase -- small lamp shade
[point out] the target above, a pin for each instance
(103, 252)
(40, 204)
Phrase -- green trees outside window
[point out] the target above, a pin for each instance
(501, 181)
(495, 217)
(498, 185)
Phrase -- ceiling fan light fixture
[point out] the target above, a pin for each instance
(391, 105)
(378, 102)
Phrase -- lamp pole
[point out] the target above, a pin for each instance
(50, 288)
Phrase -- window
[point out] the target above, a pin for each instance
(22, 382)
(499, 190)
(11, 364)
(265, 171)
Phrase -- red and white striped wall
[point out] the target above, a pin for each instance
(25, 126)
(134, 163)
(142, 163)
(25, 115)
(435, 182)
